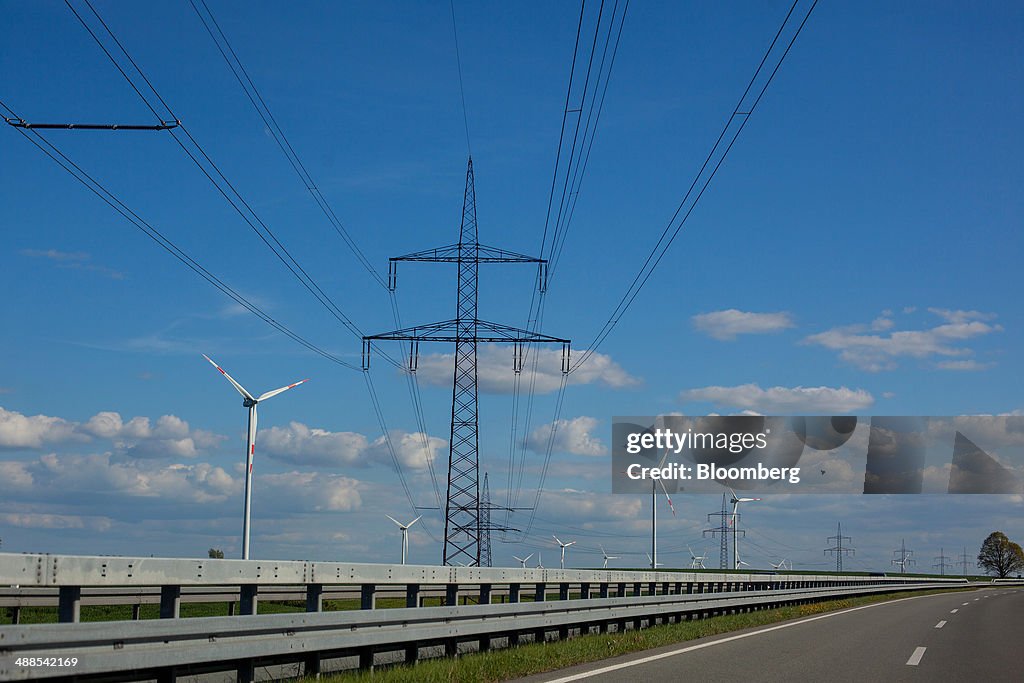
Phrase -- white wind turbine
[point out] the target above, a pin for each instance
(405, 534)
(780, 565)
(606, 556)
(650, 561)
(540, 562)
(563, 546)
(735, 506)
(250, 448)
(522, 560)
(697, 562)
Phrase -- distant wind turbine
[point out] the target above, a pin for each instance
(697, 562)
(735, 506)
(405, 533)
(650, 561)
(540, 562)
(522, 560)
(563, 546)
(780, 565)
(606, 556)
(250, 448)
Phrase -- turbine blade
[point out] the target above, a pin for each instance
(570, 543)
(235, 384)
(556, 539)
(413, 521)
(668, 498)
(275, 392)
(528, 557)
(394, 520)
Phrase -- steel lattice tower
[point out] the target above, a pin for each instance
(485, 525)
(722, 531)
(838, 548)
(463, 527)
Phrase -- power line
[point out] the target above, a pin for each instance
(740, 113)
(462, 88)
(97, 188)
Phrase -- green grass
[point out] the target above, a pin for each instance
(534, 658)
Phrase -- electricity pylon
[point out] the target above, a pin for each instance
(462, 527)
(722, 531)
(838, 548)
(942, 564)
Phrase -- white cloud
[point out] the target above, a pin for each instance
(729, 323)
(77, 260)
(303, 445)
(963, 365)
(23, 431)
(14, 475)
(776, 400)
(496, 376)
(876, 352)
(170, 437)
(573, 436)
(313, 491)
(33, 520)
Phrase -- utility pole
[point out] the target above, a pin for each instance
(904, 557)
(964, 562)
(722, 531)
(838, 548)
(462, 527)
(942, 564)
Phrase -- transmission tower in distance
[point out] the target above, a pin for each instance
(964, 563)
(903, 557)
(462, 526)
(941, 563)
(722, 531)
(838, 548)
(485, 525)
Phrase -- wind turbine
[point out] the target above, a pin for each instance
(606, 556)
(563, 546)
(780, 565)
(654, 565)
(540, 561)
(697, 562)
(250, 448)
(522, 560)
(405, 533)
(735, 506)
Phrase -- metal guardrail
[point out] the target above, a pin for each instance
(164, 648)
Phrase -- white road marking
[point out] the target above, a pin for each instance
(954, 611)
(965, 604)
(940, 624)
(915, 658)
(769, 629)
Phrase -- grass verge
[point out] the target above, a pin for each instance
(534, 658)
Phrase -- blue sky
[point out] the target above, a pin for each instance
(857, 253)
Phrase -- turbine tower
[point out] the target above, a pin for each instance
(462, 525)
(563, 546)
(405, 534)
(734, 521)
(250, 447)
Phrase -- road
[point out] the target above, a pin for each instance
(964, 636)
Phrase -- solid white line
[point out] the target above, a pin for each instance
(769, 629)
(965, 604)
(954, 611)
(915, 658)
(940, 624)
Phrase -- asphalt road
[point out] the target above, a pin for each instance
(965, 636)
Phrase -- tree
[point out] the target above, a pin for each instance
(217, 553)
(1000, 556)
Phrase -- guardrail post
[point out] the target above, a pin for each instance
(412, 598)
(69, 604)
(246, 671)
(540, 592)
(314, 597)
(485, 593)
(637, 588)
(166, 675)
(170, 602)
(15, 615)
(451, 595)
(621, 592)
(563, 591)
(652, 588)
(584, 591)
(136, 611)
(366, 658)
(247, 599)
(412, 653)
(368, 596)
(604, 590)
(513, 592)
(311, 665)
